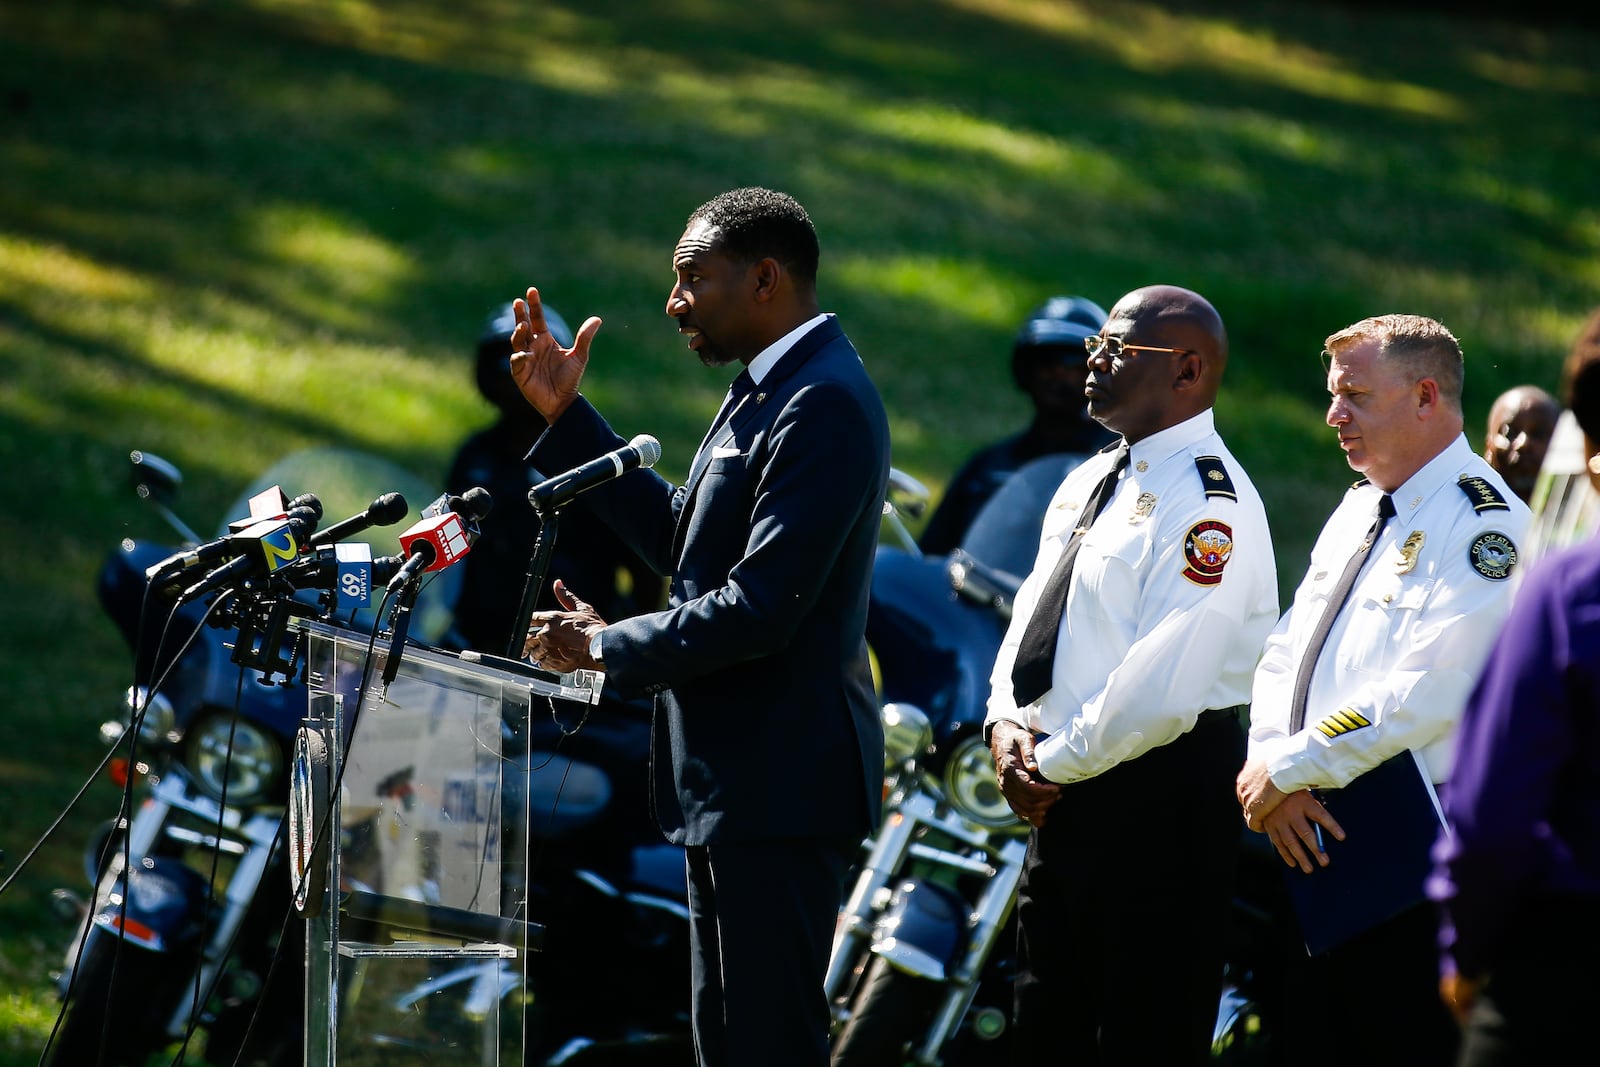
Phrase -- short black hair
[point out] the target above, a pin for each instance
(753, 223)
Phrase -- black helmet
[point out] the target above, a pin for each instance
(494, 355)
(1060, 322)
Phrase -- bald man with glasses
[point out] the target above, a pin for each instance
(1114, 712)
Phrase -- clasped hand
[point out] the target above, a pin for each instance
(1028, 792)
(559, 640)
(1294, 822)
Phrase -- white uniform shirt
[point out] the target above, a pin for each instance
(1172, 595)
(1408, 645)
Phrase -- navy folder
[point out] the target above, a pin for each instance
(1391, 818)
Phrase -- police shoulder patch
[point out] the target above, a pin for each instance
(1492, 555)
(1207, 547)
(1214, 477)
(1484, 497)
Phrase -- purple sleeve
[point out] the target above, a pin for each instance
(1515, 736)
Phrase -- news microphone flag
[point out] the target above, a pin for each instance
(353, 575)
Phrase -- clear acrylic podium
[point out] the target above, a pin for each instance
(406, 808)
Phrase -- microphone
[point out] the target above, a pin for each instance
(306, 500)
(387, 510)
(263, 548)
(240, 541)
(347, 568)
(473, 505)
(642, 451)
(430, 545)
(273, 503)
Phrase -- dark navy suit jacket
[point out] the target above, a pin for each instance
(766, 722)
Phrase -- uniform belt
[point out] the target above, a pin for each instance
(1210, 715)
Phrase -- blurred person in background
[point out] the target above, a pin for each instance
(1517, 876)
(586, 555)
(1047, 364)
(1520, 424)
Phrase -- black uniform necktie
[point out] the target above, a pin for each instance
(1036, 651)
(1336, 599)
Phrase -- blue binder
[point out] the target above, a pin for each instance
(1391, 818)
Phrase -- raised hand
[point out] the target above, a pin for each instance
(547, 374)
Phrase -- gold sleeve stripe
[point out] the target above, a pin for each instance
(1342, 722)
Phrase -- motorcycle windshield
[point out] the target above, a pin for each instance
(1004, 535)
(347, 481)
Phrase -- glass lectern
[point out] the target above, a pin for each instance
(409, 862)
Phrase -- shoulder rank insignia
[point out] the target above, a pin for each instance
(1492, 555)
(1342, 722)
(1214, 477)
(1484, 496)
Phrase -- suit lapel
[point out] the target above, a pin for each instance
(749, 406)
(797, 356)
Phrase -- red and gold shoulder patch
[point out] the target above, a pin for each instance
(1206, 550)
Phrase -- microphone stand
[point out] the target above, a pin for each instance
(538, 566)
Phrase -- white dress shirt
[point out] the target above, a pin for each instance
(1172, 595)
(1407, 647)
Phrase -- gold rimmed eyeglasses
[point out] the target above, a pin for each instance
(1113, 347)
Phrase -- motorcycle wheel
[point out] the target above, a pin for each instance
(890, 1013)
(1241, 1038)
(126, 1007)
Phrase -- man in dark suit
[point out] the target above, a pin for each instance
(767, 754)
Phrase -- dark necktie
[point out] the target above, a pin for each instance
(1036, 652)
(738, 389)
(1336, 599)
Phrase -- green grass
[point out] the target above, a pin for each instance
(230, 229)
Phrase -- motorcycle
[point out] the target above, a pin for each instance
(187, 927)
(188, 895)
(923, 957)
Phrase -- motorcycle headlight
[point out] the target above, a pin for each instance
(232, 753)
(153, 712)
(970, 783)
(907, 734)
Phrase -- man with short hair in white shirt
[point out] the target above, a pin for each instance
(1113, 716)
(1388, 673)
